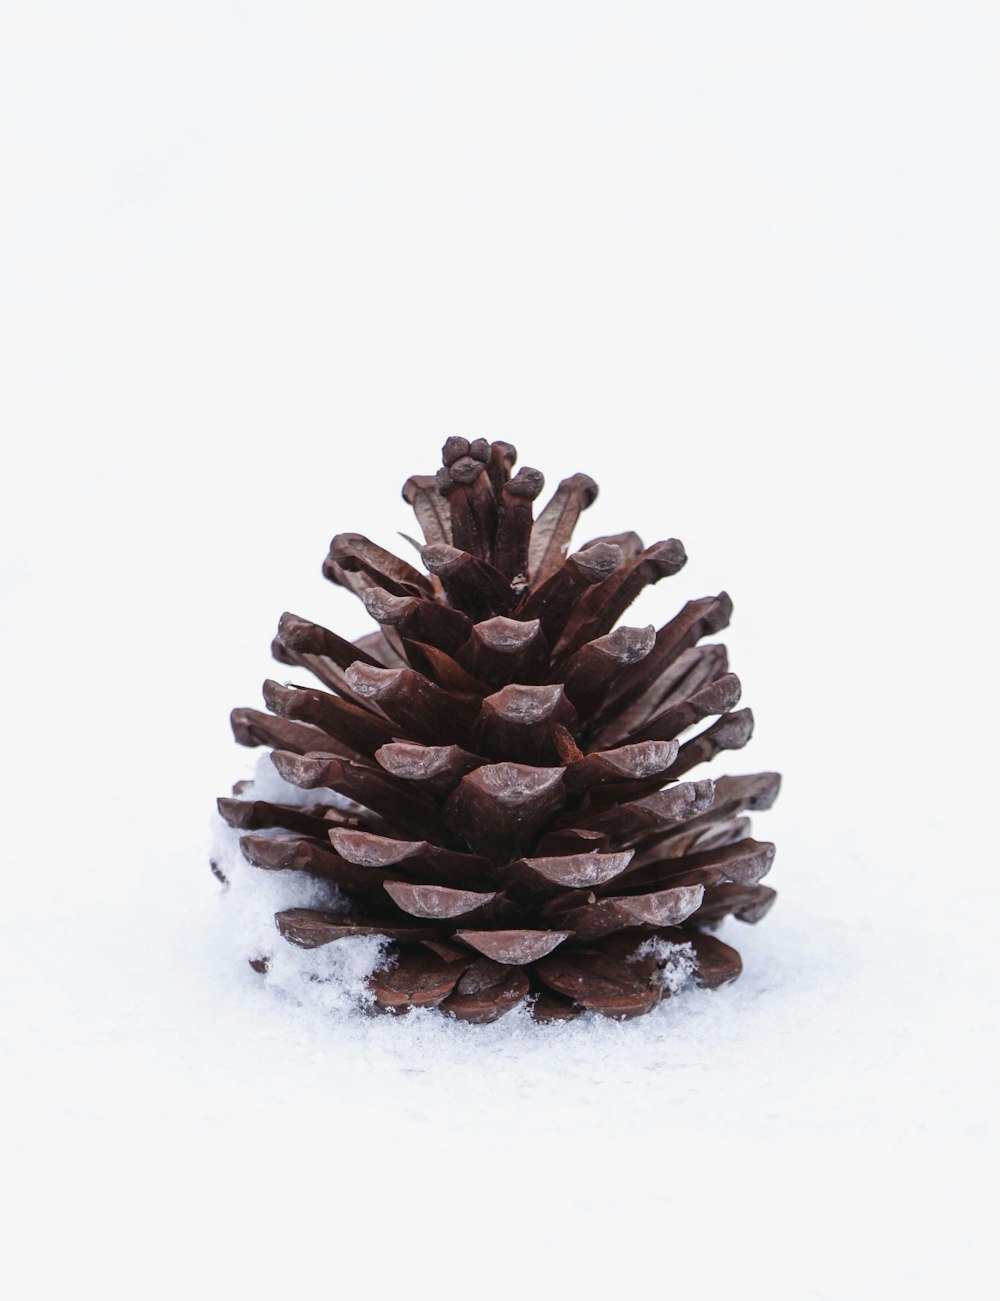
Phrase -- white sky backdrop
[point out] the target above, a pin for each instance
(737, 261)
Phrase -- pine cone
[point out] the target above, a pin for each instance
(513, 817)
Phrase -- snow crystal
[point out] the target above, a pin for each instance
(676, 961)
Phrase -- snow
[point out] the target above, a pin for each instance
(739, 264)
(676, 962)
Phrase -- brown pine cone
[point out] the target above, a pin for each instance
(513, 816)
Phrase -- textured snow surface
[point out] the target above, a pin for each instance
(737, 262)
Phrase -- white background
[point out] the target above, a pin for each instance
(739, 262)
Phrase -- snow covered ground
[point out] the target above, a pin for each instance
(736, 262)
